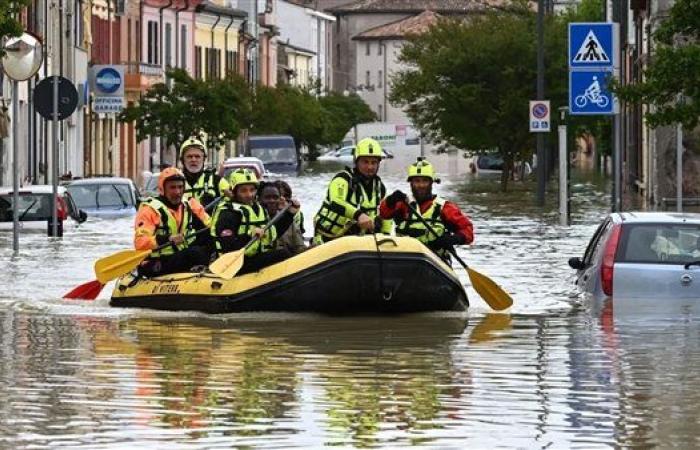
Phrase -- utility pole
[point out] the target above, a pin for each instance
(541, 163)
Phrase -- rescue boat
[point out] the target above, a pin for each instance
(351, 275)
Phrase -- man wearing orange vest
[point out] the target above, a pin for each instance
(167, 219)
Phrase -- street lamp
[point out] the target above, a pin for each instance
(23, 57)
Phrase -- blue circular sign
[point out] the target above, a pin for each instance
(540, 110)
(108, 80)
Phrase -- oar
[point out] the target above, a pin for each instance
(229, 264)
(492, 293)
(116, 265)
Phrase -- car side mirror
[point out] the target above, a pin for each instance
(82, 216)
(576, 263)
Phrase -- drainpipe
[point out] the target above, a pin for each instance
(160, 31)
(162, 60)
(177, 34)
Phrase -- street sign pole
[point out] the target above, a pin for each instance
(54, 159)
(541, 169)
(15, 166)
(563, 173)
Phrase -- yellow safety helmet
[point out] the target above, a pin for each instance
(422, 168)
(192, 142)
(242, 176)
(368, 147)
(169, 174)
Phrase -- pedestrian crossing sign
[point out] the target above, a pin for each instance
(593, 45)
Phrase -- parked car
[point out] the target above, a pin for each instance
(642, 255)
(245, 162)
(108, 197)
(277, 152)
(35, 208)
(344, 155)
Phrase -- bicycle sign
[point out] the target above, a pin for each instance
(589, 94)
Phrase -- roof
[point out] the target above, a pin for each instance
(296, 48)
(414, 6)
(34, 189)
(659, 217)
(101, 180)
(212, 8)
(401, 28)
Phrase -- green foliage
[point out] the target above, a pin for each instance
(9, 26)
(342, 113)
(469, 86)
(674, 70)
(216, 108)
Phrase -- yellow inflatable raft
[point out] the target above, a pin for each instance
(348, 275)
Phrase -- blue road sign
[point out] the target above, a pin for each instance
(108, 80)
(593, 45)
(589, 93)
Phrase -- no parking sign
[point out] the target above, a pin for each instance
(540, 116)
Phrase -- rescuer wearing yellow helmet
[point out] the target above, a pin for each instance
(240, 217)
(352, 201)
(166, 218)
(449, 225)
(200, 183)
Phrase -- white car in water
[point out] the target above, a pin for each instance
(35, 208)
(642, 256)
(344, 155)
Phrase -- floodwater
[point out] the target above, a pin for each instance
(550, 373)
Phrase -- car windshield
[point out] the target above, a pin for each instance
(31, 207)
(101, 195)
(274, 155)
(660, 243)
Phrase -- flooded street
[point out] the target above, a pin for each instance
(550, 373)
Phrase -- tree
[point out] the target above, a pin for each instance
(9, 25)
(674, 70)
(341, 114)
(469, 86)
(217, 109)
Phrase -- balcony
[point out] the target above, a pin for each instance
(139, 76)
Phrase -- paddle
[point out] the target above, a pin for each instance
(118, 264)
(229, 264)
(492, 293)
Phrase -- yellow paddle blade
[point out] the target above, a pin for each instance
(118, 264)
(492, 293)
(228, 264)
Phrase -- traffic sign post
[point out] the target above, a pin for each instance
(540, 120)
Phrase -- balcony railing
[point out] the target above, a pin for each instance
(141, 68)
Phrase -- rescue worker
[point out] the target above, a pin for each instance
(168, 219)
(273, 197)
(352, 201)
(451, 226)
(240, 217)
(202, 184)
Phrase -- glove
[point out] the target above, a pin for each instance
(396, 197)
(447, 241)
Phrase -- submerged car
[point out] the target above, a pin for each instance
(108, 197)
(35, 208)
(243, 162)
(345, 155)
(642, 255)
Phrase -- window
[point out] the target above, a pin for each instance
(660, 243)
(198, 62)
(367, 76)
(153, 45)
(380, 50)
(368, 50)
(380, 79)
(168, 45)
(128, 45)
(183, 46)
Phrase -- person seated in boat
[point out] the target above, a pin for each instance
(450, 226)
(239, 218)
(352, 201)
(274, 197)
(168, 218)
(286, 192)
